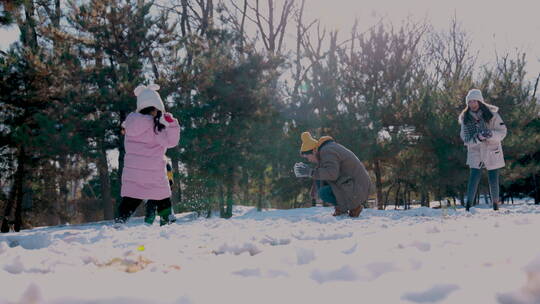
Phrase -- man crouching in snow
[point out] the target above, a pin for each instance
(343, 179)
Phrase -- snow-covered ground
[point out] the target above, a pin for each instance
(283, 256)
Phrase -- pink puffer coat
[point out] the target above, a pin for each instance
(145, 174)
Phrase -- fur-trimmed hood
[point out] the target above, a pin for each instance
(492, 108)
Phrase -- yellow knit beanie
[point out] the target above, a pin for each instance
(308, 142)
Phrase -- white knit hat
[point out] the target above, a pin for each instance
(148, 97)
(474, 94)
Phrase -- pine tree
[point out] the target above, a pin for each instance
(507, 88)
(223, 121)
(378, 87)
(116, 39)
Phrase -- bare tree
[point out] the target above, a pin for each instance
(194, 16)
(451, 55)
(273, 24)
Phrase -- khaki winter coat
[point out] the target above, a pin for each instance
(344, 172)
(488, 152)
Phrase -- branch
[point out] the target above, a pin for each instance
(255, 9)
(536, 86)
(259, 24)
(244, 15)
(287, 6)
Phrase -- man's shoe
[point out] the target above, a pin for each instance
(338, 212)
(356, 211)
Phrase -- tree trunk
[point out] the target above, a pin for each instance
(19, 181)
(536, 190)
(438, 196)
(408, 200)
(105, 181)
(260, 194)
(30, 34)
(15, 196)
(209, 208)
(221, 201)
(424, 198)
(378, 184)
(9, 206)
(176, 186)
(184, 21)
(387, 197)
(396, 202)
(56, 23)
(406, 195)
(228, 212)
(298, 59)
(242, 25)
(61, 204)
(245, 186)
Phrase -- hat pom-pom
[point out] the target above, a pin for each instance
(306, 136)
(139, 89)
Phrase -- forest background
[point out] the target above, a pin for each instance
(244, 78)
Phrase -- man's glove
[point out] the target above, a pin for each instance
(486, 133)
(302, 170)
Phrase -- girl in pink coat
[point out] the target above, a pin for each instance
(149, 132)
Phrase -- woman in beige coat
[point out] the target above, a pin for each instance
(482, 131)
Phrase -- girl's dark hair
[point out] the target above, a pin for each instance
(486, 113)
(157, 125)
